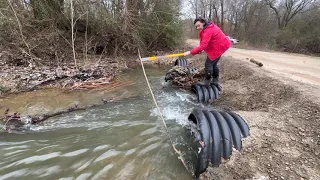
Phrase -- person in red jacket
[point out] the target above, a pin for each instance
(214, 43)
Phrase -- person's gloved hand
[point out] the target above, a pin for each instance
(187, 53)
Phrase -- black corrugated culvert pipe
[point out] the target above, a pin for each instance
(206, 93)
(216, 132)
(181, 62)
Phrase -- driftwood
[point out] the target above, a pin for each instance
(16, 121)
(11, 121)
(39, 119)
(183, 77)
(256, 62)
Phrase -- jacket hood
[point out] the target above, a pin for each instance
(207, 25)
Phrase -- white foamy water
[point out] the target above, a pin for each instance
(176, 105)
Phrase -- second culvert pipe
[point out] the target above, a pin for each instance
(219, 132)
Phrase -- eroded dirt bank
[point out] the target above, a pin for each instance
(284, 121)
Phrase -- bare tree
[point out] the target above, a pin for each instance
(222, 14)
(20, 28)
(215, 9)
(72, 33)
(235, 16)
(194, 7)
(285, 10)
(209, 9)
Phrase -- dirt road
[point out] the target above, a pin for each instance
(295, 66)
(281, 104)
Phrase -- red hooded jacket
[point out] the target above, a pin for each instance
(212, 41)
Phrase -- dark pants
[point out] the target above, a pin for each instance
(212, 68)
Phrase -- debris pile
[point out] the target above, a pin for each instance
(183, 77)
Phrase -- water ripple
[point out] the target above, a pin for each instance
(84, 176)
(131, 151)
(149, 148)
(102, 172)
(107, 154)
(9, 154)
(126, 171)
(15, 143)
(75, 153)
(16, 147)
(101, 147)
(13, 174)
(42, 172)
(46, 147)
(33, 159)
(149, 131)
(85, 165)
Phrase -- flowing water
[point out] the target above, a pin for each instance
(120, 140)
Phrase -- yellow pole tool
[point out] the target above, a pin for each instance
(153, 58)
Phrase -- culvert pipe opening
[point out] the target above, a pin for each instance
(220, 131)
(181, 62)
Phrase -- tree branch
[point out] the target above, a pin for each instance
(277, 14)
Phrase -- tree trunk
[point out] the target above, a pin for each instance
(216, 14)
(210, 10)
(222, 15)
(196, 8)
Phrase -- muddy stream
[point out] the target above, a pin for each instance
(119, 140)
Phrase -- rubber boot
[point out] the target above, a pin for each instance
(205, 81)
(215, 81)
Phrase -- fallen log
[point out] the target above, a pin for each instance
(39, 119)
(17, 122)
(256, 62)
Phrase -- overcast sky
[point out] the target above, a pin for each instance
(186, 10)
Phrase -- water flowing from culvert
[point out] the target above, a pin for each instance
(120, 140)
